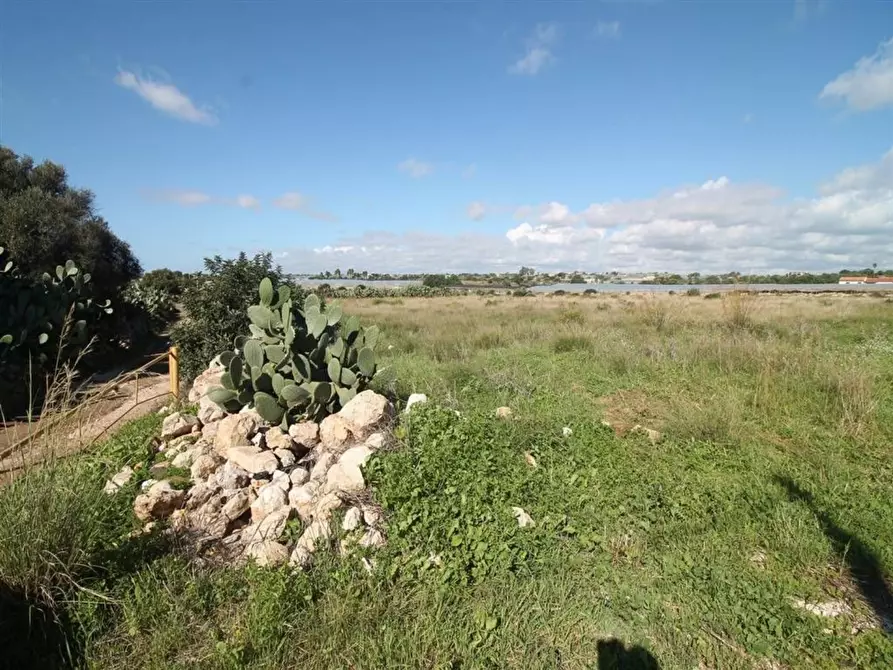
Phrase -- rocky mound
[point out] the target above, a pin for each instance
(249, 480)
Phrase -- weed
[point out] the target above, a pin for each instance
(693, 292)
(738, 308)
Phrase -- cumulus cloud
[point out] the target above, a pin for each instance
(298, 202)
(165, 97)
(868, 85)
(186, 198)
(538, 53)
(608, 29)
(415, 168)
(247, 202)
(716, 225)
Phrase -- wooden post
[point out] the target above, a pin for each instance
(174, 370)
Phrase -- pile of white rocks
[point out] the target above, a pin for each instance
(249, 480)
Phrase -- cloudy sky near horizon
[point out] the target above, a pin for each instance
(450, 136)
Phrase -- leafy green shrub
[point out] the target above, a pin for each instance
(693, 292)
(712, 296)
(43, 324)
(171, 282)
(215, 307)
(440, 281)
(157, 302)
(522, 293)
(590, 291)
(297, 362)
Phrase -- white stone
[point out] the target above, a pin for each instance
(286, 457)
(832, 608)
(524, 519)
(305, 434)
(376, 441)
(302, 498)
(299, 476)
(258, 441)
(158, 502)
(323, 463)
(325, 505)
(205, 382)
(415, 399)
(270, 497)
(371, 516)
(235, 430)
(281, 480)
(252, 459)
(236, 505)
(184, 458)
(230, 476)
(120, 479)
(276, 438)
(301, 557)
(652, 434)
(177, 424)
(209, 411)
(148, 484)
(372, 538)
(205, 465)
(209, 431)
(270, 528)
(503, 412)
(334, 434)
(366, 412)
(566, 431)
(353, 519)
(346, 475)
(268, 554)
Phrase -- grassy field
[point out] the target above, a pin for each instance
(769, 486)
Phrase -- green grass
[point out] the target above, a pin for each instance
(770, 483)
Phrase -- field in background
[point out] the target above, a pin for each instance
(767, 492)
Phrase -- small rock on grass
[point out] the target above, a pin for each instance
(415, 399)
(503, 412)
(268, 554)
(177, 424)
(286, 457)
(158, 502)
(566, 431)
(353, 519)
(119, 480)
(652, 434)
(524, 519)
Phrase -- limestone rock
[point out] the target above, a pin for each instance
(209, 411)
(230, 476)
(209, 431)
(353, 519)
(372, 538)
(235, 430)
(278, 439)
(302, 498)
(184, 458)
(119, 480)
(205, 382)
(524, 519)
(199, 495)
(415, 399)
(268, 554)
(316, 533)
(252, 459)
(270, 528)
(146, 485)
(299, 476)
(205, 465)
(566, 431)
(650, 433)
(503, 412)
(286, 457)
(270, 497)
(371, 516)
(334, 433)
(159, 469)
(177, 424)
(236, 505)
(346, 476)
(376, 441)
(325, 505)
(158, 502)
(281, 479)
(323, 463)
(367, 412)
(305, 433)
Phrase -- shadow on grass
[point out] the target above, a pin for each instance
(864, 566)
(33, 635)
(614, 655)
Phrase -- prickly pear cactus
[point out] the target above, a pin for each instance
(299, 361)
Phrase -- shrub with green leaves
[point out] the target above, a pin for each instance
(43, 324)
(297, 362)
(156, 303)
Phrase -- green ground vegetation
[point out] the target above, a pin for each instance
(769, 484)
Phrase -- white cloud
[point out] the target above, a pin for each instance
(477, 211)
(247, 202)
(298, 202)
(416, 168)
(608, 29)
(184, 198)
(165, 97)
(538, 52)
(717, 225)
(869, 84)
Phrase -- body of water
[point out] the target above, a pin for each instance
(351, 283)
(707, 288)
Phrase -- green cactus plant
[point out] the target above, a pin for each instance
(297, 362)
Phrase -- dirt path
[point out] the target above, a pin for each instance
(129, 400)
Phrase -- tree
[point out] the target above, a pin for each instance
(337, 273)
(216, 307)
(44, 222)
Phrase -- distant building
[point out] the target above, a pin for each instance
(865, 280)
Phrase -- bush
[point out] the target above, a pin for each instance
(154, 300)
(693, 292)
(171, 282)
(440, 281)
(298, 362)
(215, 307)
(43, 325)
(44, 221)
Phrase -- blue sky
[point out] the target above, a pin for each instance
(440, 136)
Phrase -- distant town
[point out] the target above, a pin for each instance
(527, 276)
